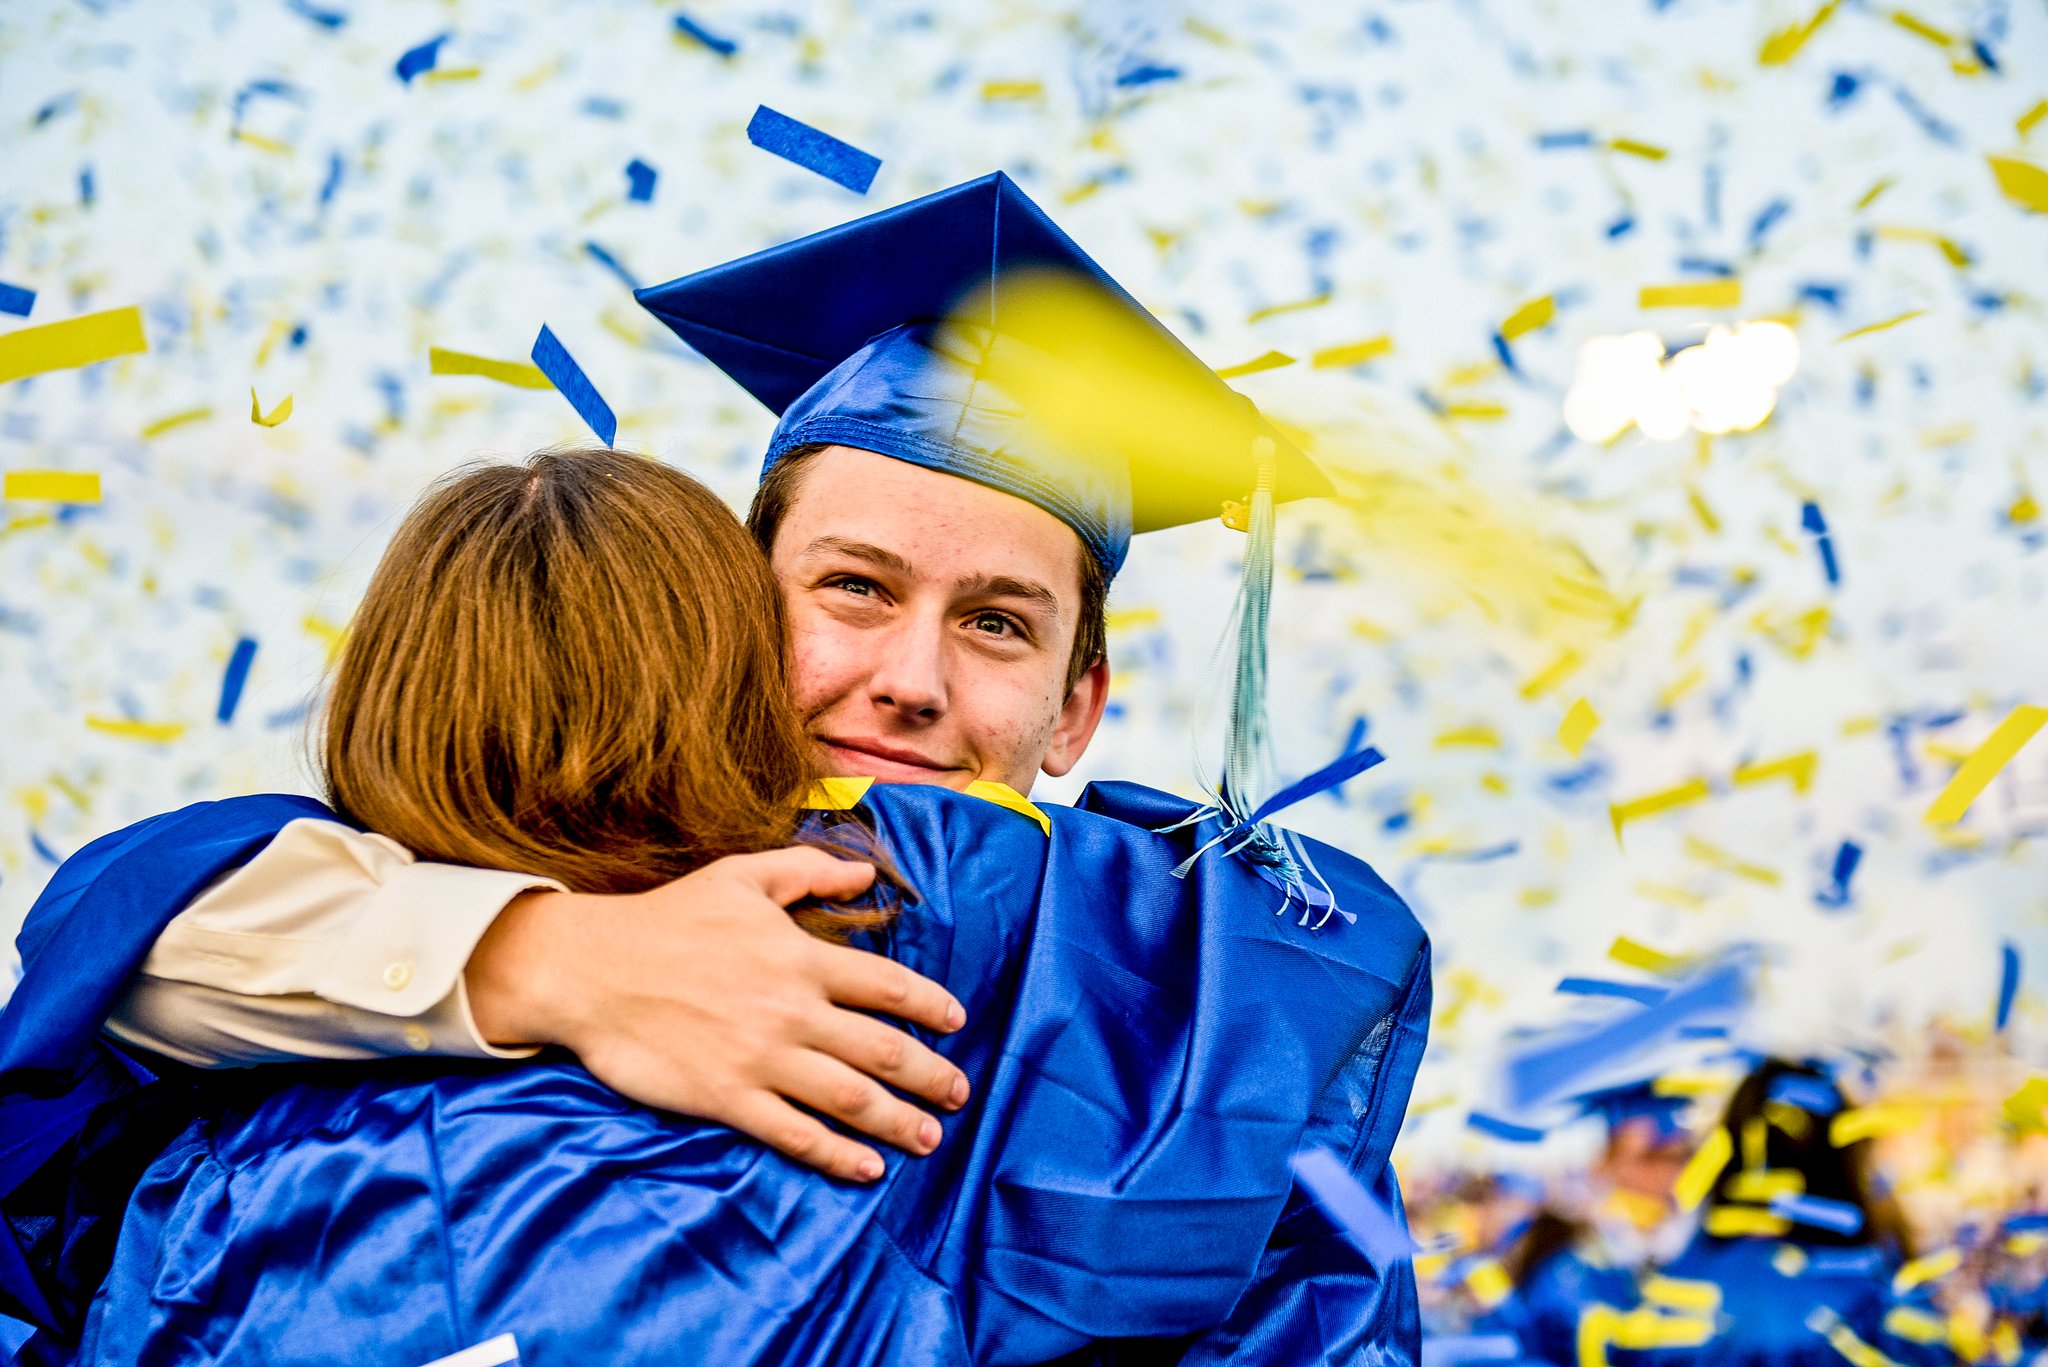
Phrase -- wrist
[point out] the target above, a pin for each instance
(517, 977)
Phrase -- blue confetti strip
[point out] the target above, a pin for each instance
(1819, 1212)
(2008, 983)
(1606, 987)
(1811, 519)
(236, 676)
(1147, 75)
(1847, 856)
(568, 377)
(612, 264)
(690, 28)
(16, 300)
(1503, 1129)
(1551, 1070)
(1351, 1207)
(1766, 220)
(420, 59)
(328, 19)
(1338, 771)
(1550, 142)
(836, 161)
(640, 179)
(42, 848)
(1815, 1096)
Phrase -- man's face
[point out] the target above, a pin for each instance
(932, 620)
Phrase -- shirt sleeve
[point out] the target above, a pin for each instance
(330, 944)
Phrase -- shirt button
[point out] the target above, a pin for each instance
(397, 975)
(417, 1039)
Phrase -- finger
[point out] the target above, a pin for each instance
(790, 875)
(869, 982)
(831, 1088)
(891, 1055)
(805, 1139)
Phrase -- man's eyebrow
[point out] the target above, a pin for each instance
(879, 557)
(1009, 586)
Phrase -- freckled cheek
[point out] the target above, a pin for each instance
(825, 662)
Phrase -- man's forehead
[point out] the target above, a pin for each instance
(923, 522)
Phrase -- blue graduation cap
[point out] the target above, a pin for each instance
(882, 334)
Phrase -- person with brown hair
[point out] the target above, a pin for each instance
(577, 669)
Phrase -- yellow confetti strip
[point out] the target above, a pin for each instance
(1272, 360)
(166, 423)
(443, 75)
(1798, 768)
(2023, 1109)
(1920, 28)
(1488, 1282)
(2032, 117)
(1481, 411)
(1479, 735)
(1932, 1267)
(1636, 954)
(55, 486)
(1868, 1122)
(1848, 1343)
(2024, 183)
(1958, 255)
(1730, 863)
(1739, 1222)
(276, 415)
(1703, 1169)
(1314, 301)
(1783, 45)
(1870, 195)
(1557, 671)
(1012, 90)
(1577, 727)
(1621, 813)
(1914, 1325)
(1984, 763)
(1758, 1186)
(1684, 1294)
(1646, 150)
(1703, 294)
(71, 343)
(1530, 316)
(1352, 353)
(441, 361)
(1869, 328)
(158, 732)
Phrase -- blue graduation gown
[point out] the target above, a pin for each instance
(1543, 1313)
(1147, 1053)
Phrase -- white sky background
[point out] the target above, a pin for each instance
(1386, 154)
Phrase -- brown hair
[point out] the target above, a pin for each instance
(1091, 634)
(575, 667)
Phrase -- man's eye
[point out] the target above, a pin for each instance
(995, 624)
(863, 587)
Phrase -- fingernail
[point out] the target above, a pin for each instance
(928, 1134)
(869, 1169)
(955, 1017)
(958, 1096)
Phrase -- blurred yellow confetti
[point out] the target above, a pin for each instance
(1737, 1222)
(2023, 1109)
(169, 421)
(1783, 45)
(1477, 411)
(1647, 151)
(1984, 763)
(441, 361)
(1489, 1283)
(1848, 1342)
(1799, 768)
(333, 636)
(1478, 735)
(1958, 255)
(1012, 90)
(442, 75)
(1932, 1267)
(1550, 676)
(1272, 360)
(2031, 117)
(1314, 301)
(1702, 294)
(157, 732)
(57, 486)
(1636, 954)
(1920, 28)
(72, 343)
(1621, 813)
(276, 415)
(1722, 859)
(2024, 183)
(1529, 317)
(1914, 1325)
(1577, 727)
(1352, 353)
(1870, 195)
(1864, 331)
(1683, 1294)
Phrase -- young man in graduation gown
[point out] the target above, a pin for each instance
(947, 631)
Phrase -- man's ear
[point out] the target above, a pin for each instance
(1078, 719)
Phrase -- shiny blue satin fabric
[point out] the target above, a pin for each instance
(1147, 1053)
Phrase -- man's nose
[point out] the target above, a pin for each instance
(910, 676)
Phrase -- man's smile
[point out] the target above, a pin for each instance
(880, 759)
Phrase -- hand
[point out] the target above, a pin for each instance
(702, 997)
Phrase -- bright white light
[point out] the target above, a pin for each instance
(1728, 383)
